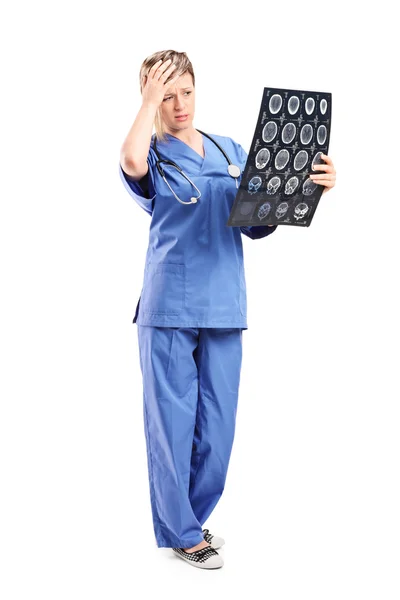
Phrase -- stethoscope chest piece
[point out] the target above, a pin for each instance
(233, 170)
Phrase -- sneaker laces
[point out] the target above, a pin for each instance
(207, 535)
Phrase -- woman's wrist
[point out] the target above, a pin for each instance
(150, 106)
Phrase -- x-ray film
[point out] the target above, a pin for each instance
(292, 132)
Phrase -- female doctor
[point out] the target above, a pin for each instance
(192, 307)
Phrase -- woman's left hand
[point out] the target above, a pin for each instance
(328, 178)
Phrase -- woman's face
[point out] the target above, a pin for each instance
(178, 102)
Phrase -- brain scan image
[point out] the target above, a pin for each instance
(321, 134)
(306, 134)
(254, 185)
(291, 135)
(293, 105)
(281, 159)
(300, 210)
(300, 160)
(275, 104)
(273, 185)
(291, 185)
(246, 208)
(288, 133)
(262, 158)
(264, 210)
(269, 132)
(310, 105)
(281, 210)
(309, 187)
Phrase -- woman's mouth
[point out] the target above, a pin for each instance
(181, 117)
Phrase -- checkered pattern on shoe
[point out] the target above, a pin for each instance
(199, 556)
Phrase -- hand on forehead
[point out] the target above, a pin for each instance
(184, 81)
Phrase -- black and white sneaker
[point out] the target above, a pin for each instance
(205, 558)
(214, 540)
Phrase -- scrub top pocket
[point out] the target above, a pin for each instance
(164, 289)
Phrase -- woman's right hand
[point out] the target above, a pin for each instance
(153, 85)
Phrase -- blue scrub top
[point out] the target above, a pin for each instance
(194, 273)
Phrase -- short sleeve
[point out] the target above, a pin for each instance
(254, 232)
(142, 191)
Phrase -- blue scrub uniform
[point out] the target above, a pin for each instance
(190, 316)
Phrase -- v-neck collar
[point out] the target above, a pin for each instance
(202, 158)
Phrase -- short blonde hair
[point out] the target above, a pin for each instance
(183, 65)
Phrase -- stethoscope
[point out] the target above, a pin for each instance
(233, 170)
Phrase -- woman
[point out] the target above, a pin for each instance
(192, 309)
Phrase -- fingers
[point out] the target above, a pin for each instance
(327, 182)
(327, 168)
(327, 159)
(159, 70)
(172, 81)
(160, 74)
(319, 175)
(155, 66)
(323, 177)
(328, 178)
(166, 71)
(151, 72)
(158, 79)
(159, 66)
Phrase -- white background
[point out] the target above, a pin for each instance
(310, 507)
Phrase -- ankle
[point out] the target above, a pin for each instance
(199, 546)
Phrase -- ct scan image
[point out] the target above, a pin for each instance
(292, 131)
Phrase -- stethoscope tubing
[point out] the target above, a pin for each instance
(173, 164)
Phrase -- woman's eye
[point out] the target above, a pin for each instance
(169, 97)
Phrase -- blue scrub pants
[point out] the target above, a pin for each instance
(190, 395)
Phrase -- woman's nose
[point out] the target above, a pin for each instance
(179, 103)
